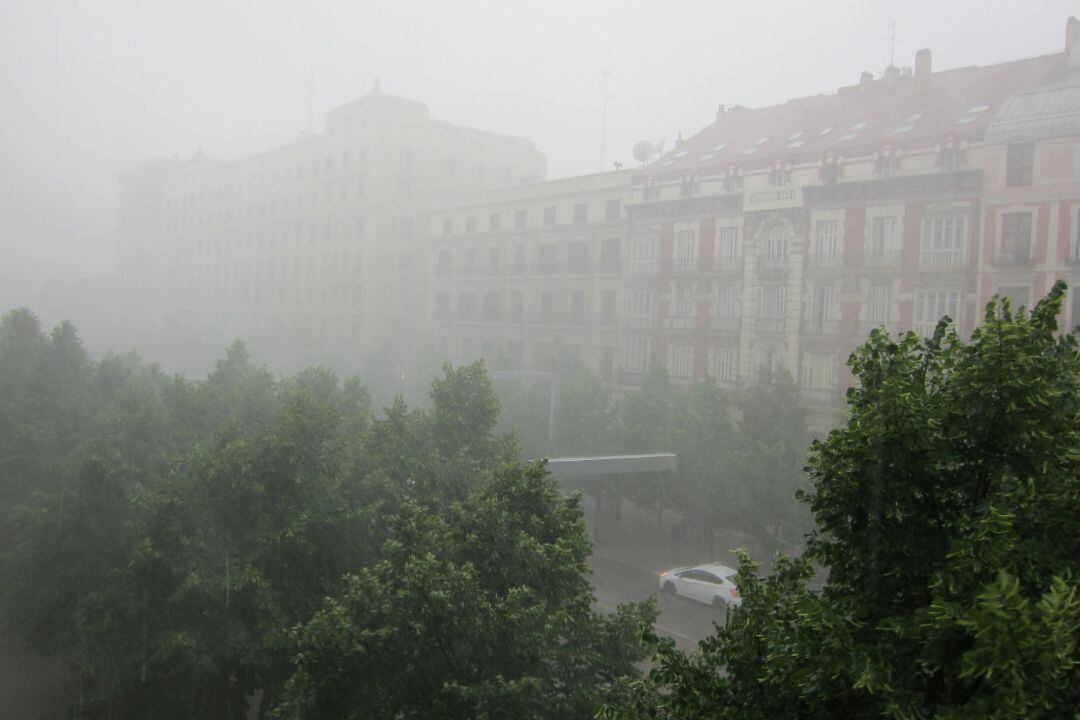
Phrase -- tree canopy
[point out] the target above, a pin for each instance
(946, 530)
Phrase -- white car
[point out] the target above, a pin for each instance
(710, 583)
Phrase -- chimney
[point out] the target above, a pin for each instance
(866, 81)
(922, 70)
(891, 76)
(1072, 33)
(720, 111)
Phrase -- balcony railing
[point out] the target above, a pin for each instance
(772, 262)
(865, 327)
(943, 257)
(823, 260)
(640, 321)
(1019, 258)
(643, 267)
(820, 396)
(882, 257)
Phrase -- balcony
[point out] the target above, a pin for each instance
(772, 262)
(944, 257)
(820, 396)
(882, 257)
(640, 321)
(823, 260)
(821, 326)
(644, 267)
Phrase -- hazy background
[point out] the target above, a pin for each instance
(91, 88)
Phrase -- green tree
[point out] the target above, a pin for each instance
(946, 514)
(482, 612)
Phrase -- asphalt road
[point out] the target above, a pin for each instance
(686, 621)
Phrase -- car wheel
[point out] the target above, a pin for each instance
(669, 588)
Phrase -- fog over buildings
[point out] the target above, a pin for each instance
(89, 92)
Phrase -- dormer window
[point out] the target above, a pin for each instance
(886, 162)
(688, 184)
(732, 181)
(777, 174)
(952, 157)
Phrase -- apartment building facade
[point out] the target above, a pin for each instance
(531, 277)
(782, 236)
(315, 251)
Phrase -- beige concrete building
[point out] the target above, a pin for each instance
(531, 277)
(313, 251)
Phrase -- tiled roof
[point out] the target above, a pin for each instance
(957, 102)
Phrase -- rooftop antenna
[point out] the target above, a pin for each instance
(892, 41)
(310, 100)
(603, 119)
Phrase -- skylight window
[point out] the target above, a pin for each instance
(903, 129)
(719, 147)
(826, 131)
(680, 154)
(762, 141)
(858, 126)
(796, 136)
(978, 109)
(915, 118)
(749, 151)
(795, 144)
(966, 120)
(707, 156)
(847, 136)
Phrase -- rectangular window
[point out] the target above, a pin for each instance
(725, 307)
(636, 352)
(1019, 164)
(493, 261)
(931, 306)
(581, 212)
(608, 316)
(644, 250)
(447, 226)
(639, 308)
(771, 308)
(442, 266)
(549, 215)
(725, 365)
(470, 262)
(609, 254)
(466, 306)
(824, 312)
(727, 248)
(491, 306)
(613, 209)
(577, 255)
(470, 224)
(819, 377)
(545, 259)
(547, 305)
(521, 218)
(1015, 239)
(681, 362)
(517, 306)
(944, 240)
(495, 221)
(442, 306)
(877, 309)
(882, 247)
(686, 250)
(577, 307)
(826, 243)
(519, 259)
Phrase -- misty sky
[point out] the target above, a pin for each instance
(90, 88)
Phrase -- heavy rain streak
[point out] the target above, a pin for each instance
(539, 360)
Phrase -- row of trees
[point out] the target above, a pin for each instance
(740, 457)
(946, 512)
(190, 548)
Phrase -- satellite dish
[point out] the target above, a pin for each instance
(659, 147)
(643, 149)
